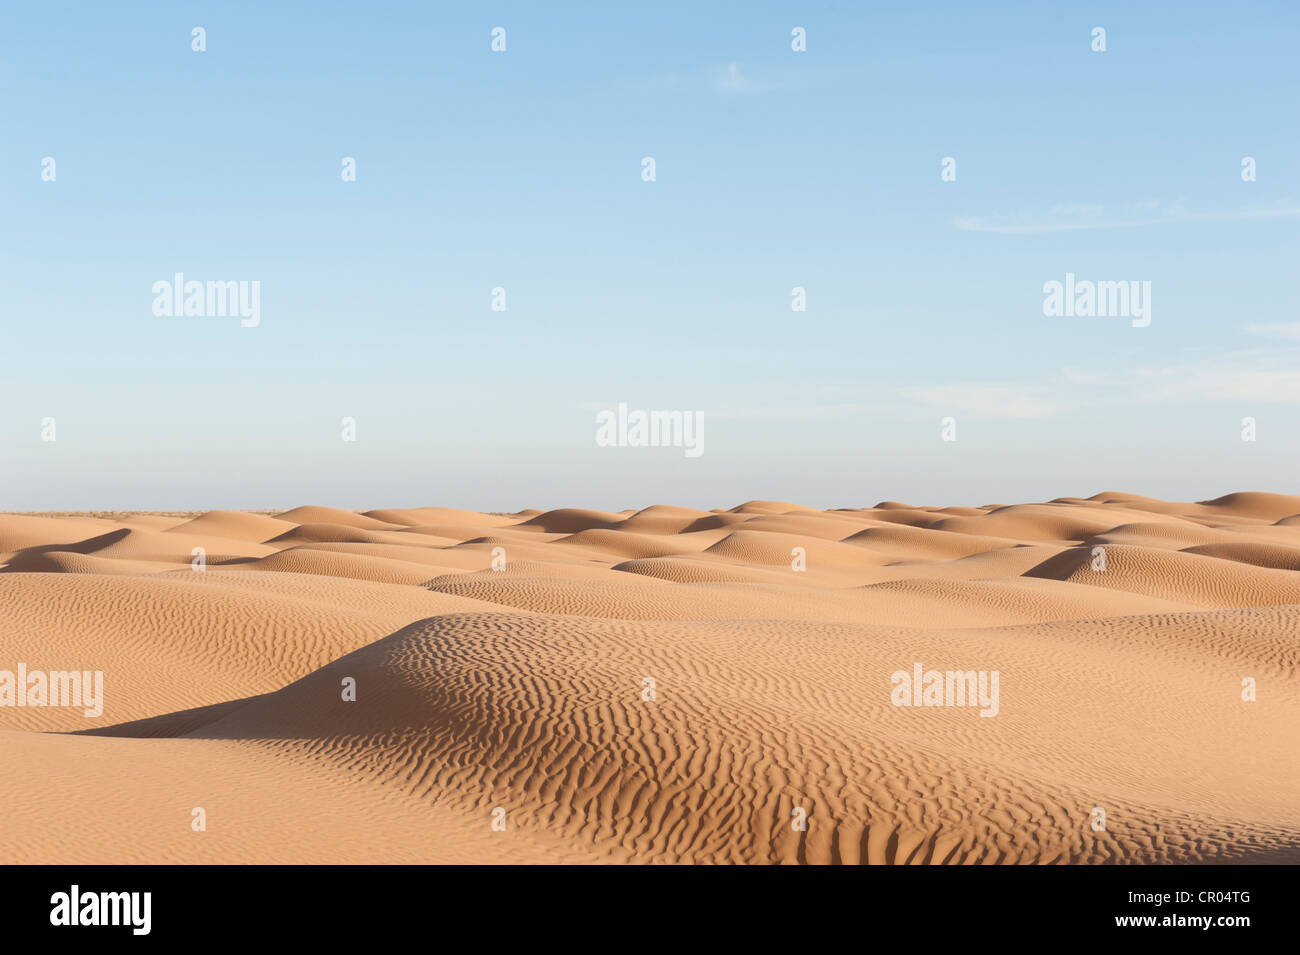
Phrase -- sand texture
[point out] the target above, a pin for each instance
(658, 685)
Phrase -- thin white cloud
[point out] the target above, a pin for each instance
(1258, 375)
(1288, 331)
(1073, 218)
(1079, 376)
(1244, 376)
(733, 80)
(811, 413)
(769, 413)
(990, 399)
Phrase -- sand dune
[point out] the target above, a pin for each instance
(571, 520)
(234, 524)
(662, 684)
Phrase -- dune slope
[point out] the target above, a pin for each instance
(1117, 682)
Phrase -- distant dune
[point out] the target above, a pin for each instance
(658, 685)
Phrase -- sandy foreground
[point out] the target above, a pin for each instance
(662, 685)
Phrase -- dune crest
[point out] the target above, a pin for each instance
(659, 684)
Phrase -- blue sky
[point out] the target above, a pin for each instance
(522, 170)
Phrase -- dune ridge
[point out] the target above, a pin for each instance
(663, 684)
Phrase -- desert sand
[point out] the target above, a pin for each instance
(504, 712)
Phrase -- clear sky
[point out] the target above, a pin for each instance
(522, 170)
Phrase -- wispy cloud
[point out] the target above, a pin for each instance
(789, 413)
(737, 79)
(811, 413)
(733, 80)
(1288, 331)
(990, 399)
(1075, 217)
(1264, 376)
(1269, 375)
(1080, 376)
